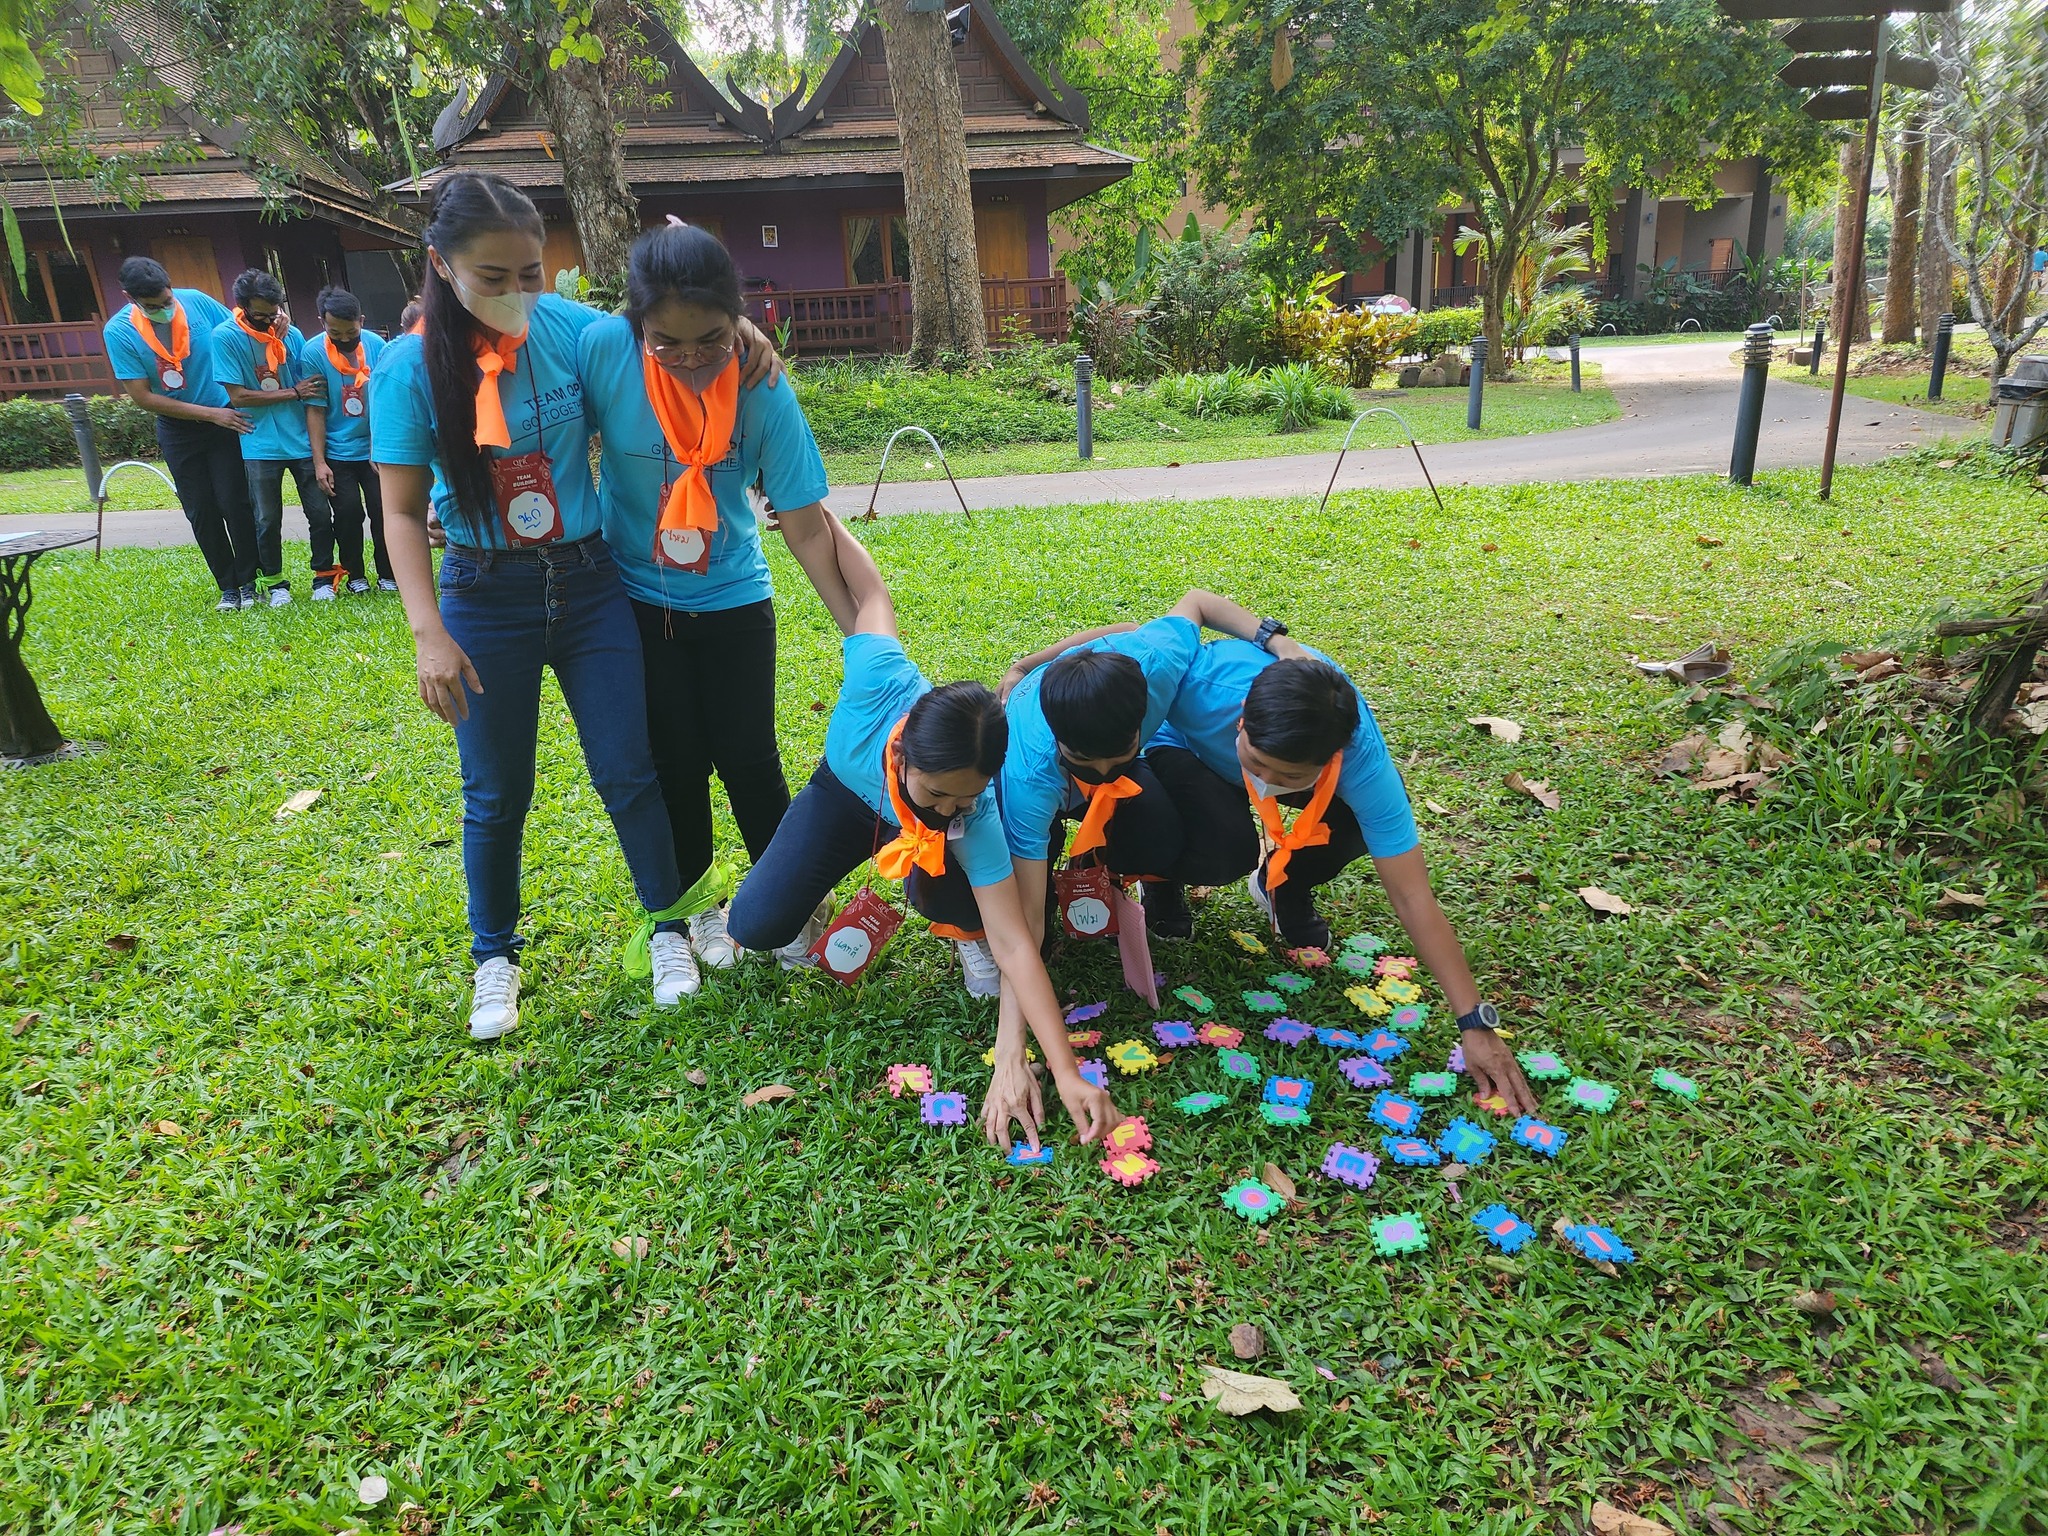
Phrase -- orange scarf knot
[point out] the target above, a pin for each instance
(917, 846)
(494, 358)
(272, 344)
(357, 368)
(181, 334)
(1310, 830)
(699, 433)
(1102, 799)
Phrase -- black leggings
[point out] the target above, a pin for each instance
(828, 834)
(711, 705)
(358, 492)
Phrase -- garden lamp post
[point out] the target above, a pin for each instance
(1475, 393)
(1573, 342)
(1944, 331)
(1084, 403)
(1749, 408)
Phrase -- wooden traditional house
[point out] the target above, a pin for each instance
(808, 193)
(206, 212)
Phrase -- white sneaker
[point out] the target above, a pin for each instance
(323, 591)
(714, 946)
(230, 602)
(796, 954)
(675, 969)
(279, 595)
(978, 964)
(1259, 897)
(386, 584)
(357, 587)
(495, 1007)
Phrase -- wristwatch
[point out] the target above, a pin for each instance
(1268, 628)
(1485, 1016)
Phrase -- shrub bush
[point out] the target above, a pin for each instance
(1300, 395)
(1232, 392)
(36, 434)
(1359, 345)
(854, 404)
(1445, 328)
(1208, 308)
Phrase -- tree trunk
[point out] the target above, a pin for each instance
(1493, 306)
(1900, 308)
(947, 317)
(1937, 210)
(1845, 326)
(578, 99)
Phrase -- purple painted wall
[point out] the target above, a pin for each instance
(310, 252)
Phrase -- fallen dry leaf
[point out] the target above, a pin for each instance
(25, 1023)
(1706, 541)
(122, 943)
(2033, 718)
(168, 1128)
(299, 802)
(1862, 661)
(1247, 1342)
(218, 771)
(1538, 790)
(1604, 902)
(535, 1190)
(1951, 897)
(1889, 667)
(1609, 1521)
(1682, 753)
(1238, 1394)
(763, 1095)
(1496, 725)
(1770, 757)
(1719, 763)
(1735, 737)
(1815, 1303)
(630, 1247)
(1440, 810)
(696, 1077)
(372, 1489)
(1936, 1369)
(1276, 1178)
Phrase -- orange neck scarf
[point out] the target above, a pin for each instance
(1102, 799)
(494, 358)
(1310, 830)
(699, 431)
(181, 334)
(917, 845)
(357, 369)
(270, 341)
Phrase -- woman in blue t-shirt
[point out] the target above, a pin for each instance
(683, 445)
(486, 399)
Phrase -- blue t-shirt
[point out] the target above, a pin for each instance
(348, 437)
(280, 428)
(543, 409)
(1035, 785)
(881, 684)
(1204, 719)
(132, 357)
(770, 439)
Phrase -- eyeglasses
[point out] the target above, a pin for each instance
(690, 354)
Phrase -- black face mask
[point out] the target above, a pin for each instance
(924, 813)
(1090, 775)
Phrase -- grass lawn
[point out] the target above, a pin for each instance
(1898, 376)
(273, 1223)
(39, 492)
(1434, 415)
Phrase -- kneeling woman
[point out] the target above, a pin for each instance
(683, 441)
(906, 781)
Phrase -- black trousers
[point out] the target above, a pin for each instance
(205, 462)
(357, 493)
(1144, 837)
(1220, 840)
(828, 834)
(711, 706)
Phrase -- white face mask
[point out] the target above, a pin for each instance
(1261, 788)
(507, 313)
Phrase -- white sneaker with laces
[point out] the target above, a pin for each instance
(278, 596)
(675, 969)
(714, 946)
(357, 587)
(495, 1007)
(230, 602)
(386, 584)
(978, 964)
(323, 592)
(796, 954)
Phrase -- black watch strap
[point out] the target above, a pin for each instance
(1485, 1016)
(1268, 628)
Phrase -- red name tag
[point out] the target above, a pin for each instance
(528, 510)
(1087, 901)
(855, 937)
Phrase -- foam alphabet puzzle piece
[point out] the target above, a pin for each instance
(910, 1077)
(1354, 964)
(1409, 1016)
(1367, 1001)
(1200, 1103)
(1084, 1039)
(1432, 1085)
(1395, 965)
(1289, 1090)
(1174, 1033)
(1238, 1064)
(1402, 1232)
(1196, 999)
(1543, 1066)
(1309, 957)
(1253, 1200)
(1411, 1151)
(1340, 1039)
(988, 1057)
(1590, 1095)
(1222, 1036)
(1289, 1032)
(1096, 1072)
(1673, 1083)
(1351, 1165)
(1399, 1115)
(1021, 1156)
(1384, 1045)
(1367, 944)
(1503, 1228)
(1265, 1002)
(1129, 1169)
(1399, 991)
(1131, 1135)
(943, 1108)
(1364, 1072)
(1250, 943)
(1463, 1142)
(1131, 1057)
(1081, 1013)
(1493, 1104)
(1598, 1244)
(1456, 1061)
(1539, 1137)
(1291, 1116)
(1287, 981)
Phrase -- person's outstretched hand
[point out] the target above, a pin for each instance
(1494, 1071)
(1012, 1095)
(1091, 1108)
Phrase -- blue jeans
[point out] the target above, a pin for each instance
(513, 612)
(266, 491)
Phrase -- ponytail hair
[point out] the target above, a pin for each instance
(467, 204)
(684, 263)
(956, 726)
(338, 302)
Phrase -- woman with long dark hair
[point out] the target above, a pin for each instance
(683, 444)
(485, 397)
(907, 781)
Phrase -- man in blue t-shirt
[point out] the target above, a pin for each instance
(338, 426)
(161, 347)
(258, 358)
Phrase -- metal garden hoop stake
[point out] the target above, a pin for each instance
(884, 469)
(1379, 410)
(95, 478)
(99, 499)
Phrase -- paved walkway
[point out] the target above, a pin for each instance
(1678, 412)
